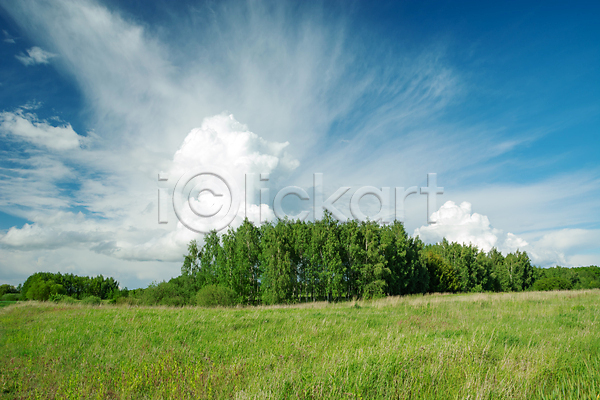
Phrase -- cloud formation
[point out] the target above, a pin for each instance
(26, 126)
(7, 37)
(35, 55)
(307, 87)
(457, 223)
(220, 141)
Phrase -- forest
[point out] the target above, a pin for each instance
(294, 261)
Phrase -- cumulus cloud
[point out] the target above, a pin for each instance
(221, 141)
(35, 55)
(458, 224)
(291, 75)
(26, 126)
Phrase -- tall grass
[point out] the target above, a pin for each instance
(479, 346)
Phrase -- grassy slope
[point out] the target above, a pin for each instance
(520, 345)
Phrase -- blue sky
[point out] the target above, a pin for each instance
(502, 101)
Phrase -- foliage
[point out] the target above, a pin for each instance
(11, 297)
(91, 301)
(7, 289)
(215, 295)
(552, 283)
(560, 278)
(41, 285)
(297, 261)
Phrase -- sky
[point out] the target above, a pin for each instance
(100, 99)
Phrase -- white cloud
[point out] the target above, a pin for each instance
(35, 55)
(83, 262)
(292, 77)
(565, 239)
(562, 201)
(457, 224)
(26, 126)
(558, 247)
(221, 141)
(513, 243)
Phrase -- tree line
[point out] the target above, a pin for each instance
(296, 261)
(326, 260)
(45, 285)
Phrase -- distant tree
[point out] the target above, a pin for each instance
(42, 290)
(442, 275)
(352, 253)
(210, 257)
(191, 261)
(498, 276)
(279, 280)
(245, 262)
(6, 288)
(374, 272)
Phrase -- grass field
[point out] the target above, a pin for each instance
(477, 346)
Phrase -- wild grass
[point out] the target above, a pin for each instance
(530, 345)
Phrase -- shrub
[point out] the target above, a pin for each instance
(552, 283)
(55, 297)
(213, 295)
(130, 301)
(91, 301)
(42, 290)
(7, 289)
(374, 290)
(11, 297)
(62, 298)
(175, 301)
(68, 300)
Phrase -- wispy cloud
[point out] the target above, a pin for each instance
(26, 126)
(362, 112)
(8, 38)
(35, 55)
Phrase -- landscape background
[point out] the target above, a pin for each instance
(98, 98)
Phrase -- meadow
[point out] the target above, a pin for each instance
(528, 345)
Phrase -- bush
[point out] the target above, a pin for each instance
(42, 290)
(130, 301)
(213, 295)
(55, 297)
(91, 301)
(7, 289)
(62, 298)
(11, 297)
(374, 290)
(175, 301)
(67, 300)
(553, 283)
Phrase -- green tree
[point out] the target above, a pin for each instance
(245, 262)
(374, 272)
(210, 257)
(279, 280)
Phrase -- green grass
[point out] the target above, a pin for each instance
(480, 346)
(4, 303)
